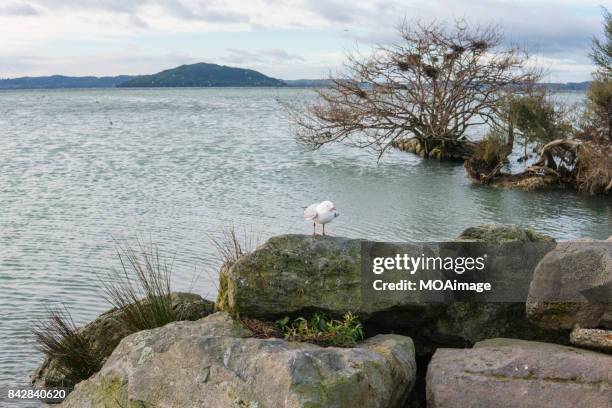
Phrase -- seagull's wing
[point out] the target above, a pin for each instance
(310, 213)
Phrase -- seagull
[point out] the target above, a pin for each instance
(320, 213)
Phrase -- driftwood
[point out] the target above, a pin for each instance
(582, 165)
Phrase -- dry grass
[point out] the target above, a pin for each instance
(594, 168)
(232, 245)
(260, 329)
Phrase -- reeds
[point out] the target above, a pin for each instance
(141, 288)
(58, 338)
(231, 246)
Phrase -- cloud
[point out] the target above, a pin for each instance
(18, 9)
(241, 56)
(559, 30)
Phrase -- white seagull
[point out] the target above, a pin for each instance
(320, 213)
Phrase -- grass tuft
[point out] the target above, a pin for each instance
(141, 288)
(232, 245)
(58, 338)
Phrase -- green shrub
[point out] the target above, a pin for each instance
(599, 110)
(491, 150)
(322, 330)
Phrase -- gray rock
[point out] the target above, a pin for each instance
(104, 334)
(596, 339)
(515, 373)
(214, 363)
(572, 285)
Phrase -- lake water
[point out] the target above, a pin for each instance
(80, 168)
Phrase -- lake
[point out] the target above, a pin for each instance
(82, 168)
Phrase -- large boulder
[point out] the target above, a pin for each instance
(104, 334)
(500, 233)
(517, 251)
(215, 363)
(296, 275)
(293, 273)
(572, 286)
(516, 373)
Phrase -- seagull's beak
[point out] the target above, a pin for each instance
(333, 209)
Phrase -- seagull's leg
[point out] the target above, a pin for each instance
(314, 229)
(323, 229)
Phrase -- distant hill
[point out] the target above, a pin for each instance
(318, 83)
(61, 81)
(569, 86)
(202, 75)
(198, 75)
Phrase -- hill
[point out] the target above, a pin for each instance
(568, 86)
(61, 81)
(202, 75)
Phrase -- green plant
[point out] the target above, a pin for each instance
(492, 149)
(58, 338)
(142, 287)
(322, 330)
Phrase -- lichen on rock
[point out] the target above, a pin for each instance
(215, 363)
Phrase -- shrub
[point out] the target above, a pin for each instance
(594, 168)
(599, 110)
(491, 150)
(322, 330)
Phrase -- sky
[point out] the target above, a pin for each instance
(286, 39)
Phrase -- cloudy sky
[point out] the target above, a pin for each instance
(287, 39)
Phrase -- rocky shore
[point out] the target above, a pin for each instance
(539, 353)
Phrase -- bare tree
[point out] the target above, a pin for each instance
(433, 85)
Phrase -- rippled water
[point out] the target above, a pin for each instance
(79, 168)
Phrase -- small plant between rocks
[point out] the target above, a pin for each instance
(322, 330)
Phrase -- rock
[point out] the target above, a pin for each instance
(464, 323)
(572, 285)
(596, 339)
(516, 373)
(214, 363)
(106, 332)
(295, 275)
(499, 233)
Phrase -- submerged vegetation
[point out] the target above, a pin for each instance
(424, 92)
(433, 85)
(572, 152)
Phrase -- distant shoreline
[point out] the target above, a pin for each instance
(200, 75)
